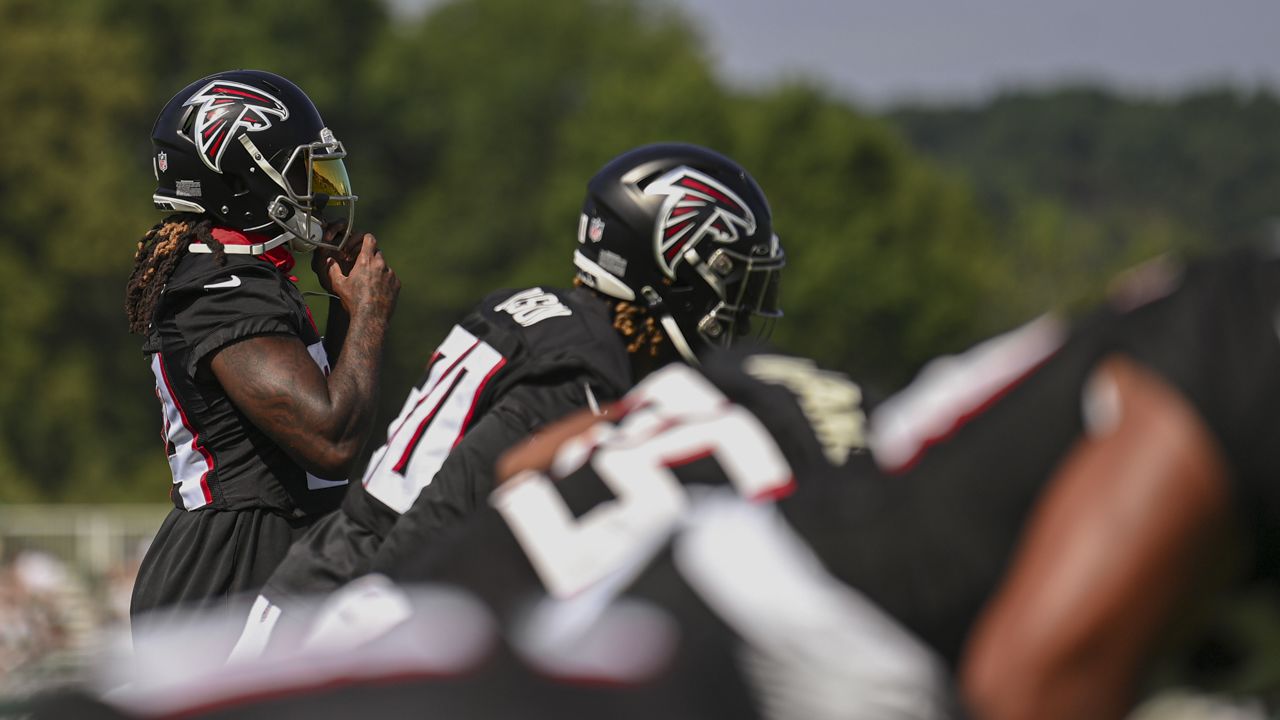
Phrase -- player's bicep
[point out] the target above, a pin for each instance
(1112, 546)
(276, 383)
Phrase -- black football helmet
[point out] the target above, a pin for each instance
(249, 149)
(687, 233)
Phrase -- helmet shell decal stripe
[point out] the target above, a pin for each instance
(695, 207)
(223, 110)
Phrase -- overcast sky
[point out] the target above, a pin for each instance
(878, 51)
(882, 51)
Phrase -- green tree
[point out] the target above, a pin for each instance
(64, 247)
(472, 133)
(889, 262)
(77, 419)
(499, 133)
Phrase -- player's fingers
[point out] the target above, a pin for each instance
(334, 270)
(370, 254)
(333, 230)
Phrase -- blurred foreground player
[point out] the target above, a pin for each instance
(1040, 508)
(260, 428)
(676, 253)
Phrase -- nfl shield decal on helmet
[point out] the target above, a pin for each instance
(595, 230)
(162, 161)
(224, 110)
(696, 207)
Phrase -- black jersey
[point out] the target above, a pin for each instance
(927, 523)
(239, 499)
(966, 451)
(960, 459)
(1216, 339)
(597, 612)
(219, 459)
(623, 486)
(519, 360)
(530, 356)
(924, 533)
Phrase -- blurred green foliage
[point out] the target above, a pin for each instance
(472, 132)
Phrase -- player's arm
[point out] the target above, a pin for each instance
(539, 450)
(1115, 543)
(322, 422)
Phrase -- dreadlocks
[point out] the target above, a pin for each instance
(639, 330)
(158, 253)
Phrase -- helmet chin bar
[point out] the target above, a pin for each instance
(254, 249)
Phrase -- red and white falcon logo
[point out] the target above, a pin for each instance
(695, 207)
(223, 110)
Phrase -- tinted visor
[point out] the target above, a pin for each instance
(319, 191)
(311, 174)
(329, 177)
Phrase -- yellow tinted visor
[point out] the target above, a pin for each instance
(329, 177)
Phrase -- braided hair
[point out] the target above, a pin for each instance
(158, 254)
(639, 330)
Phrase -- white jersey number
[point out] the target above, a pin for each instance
(678, 418)
(433, 420)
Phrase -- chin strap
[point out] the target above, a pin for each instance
(252, 249)
(677, 339)
(669, 326)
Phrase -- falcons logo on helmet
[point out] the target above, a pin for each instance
(223, 110)
(695, 207)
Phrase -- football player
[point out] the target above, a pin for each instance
(493, 644)
(262, 417)
(676, 253)
(1037, 510)
(1034, 508)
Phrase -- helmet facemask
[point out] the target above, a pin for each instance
(314, 180)
(747, 290)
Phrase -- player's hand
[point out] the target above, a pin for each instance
(540, 449)
(345, 256)
(370, 287)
